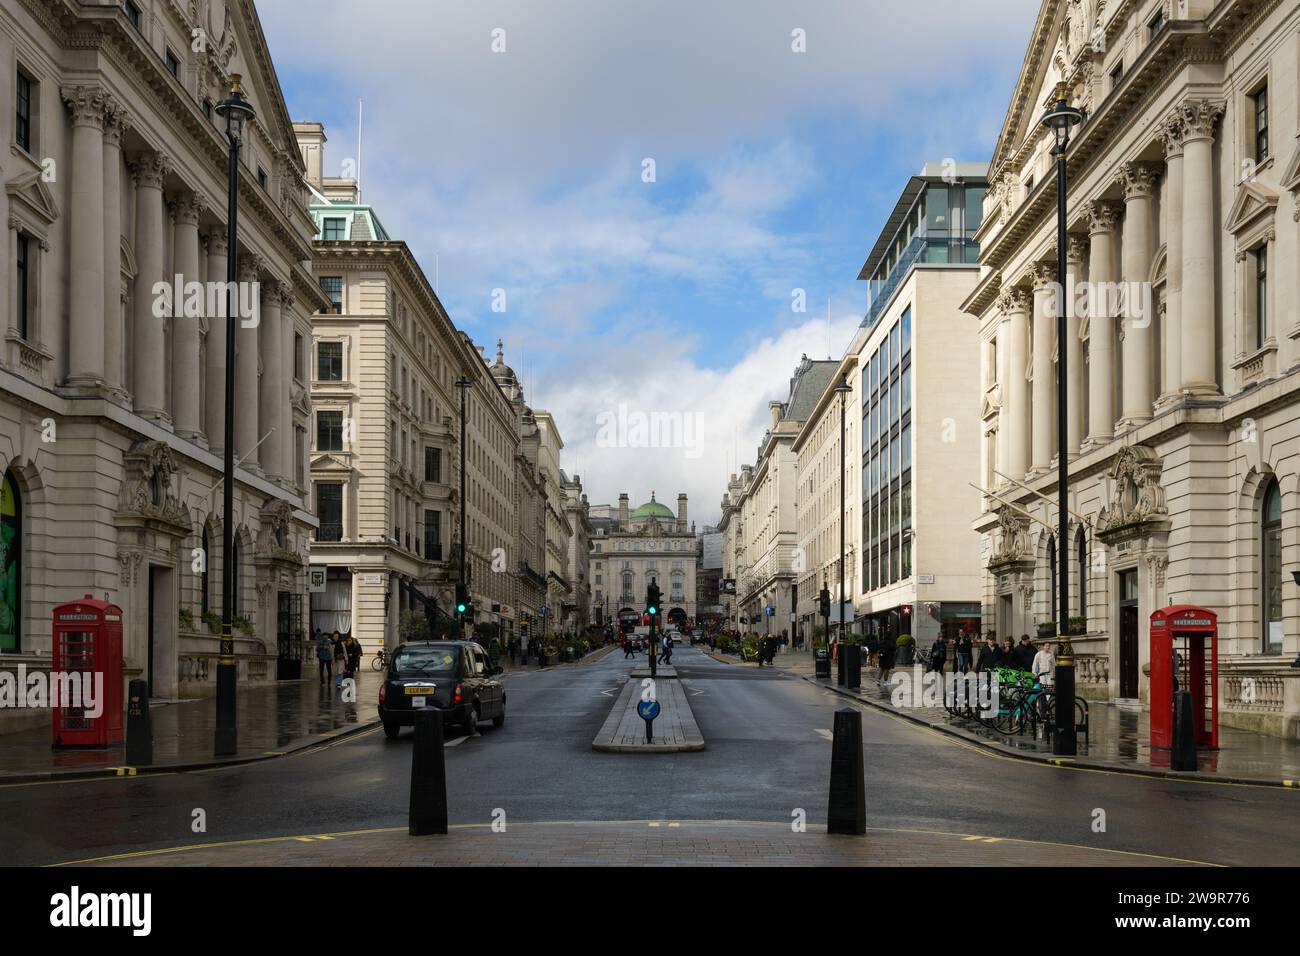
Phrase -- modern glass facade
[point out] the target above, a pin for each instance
(887, 458)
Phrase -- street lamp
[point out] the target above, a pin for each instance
(236, 111)
(842, 390)
(1060, 118)
(464, 385)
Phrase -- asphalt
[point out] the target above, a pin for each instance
(768, 758)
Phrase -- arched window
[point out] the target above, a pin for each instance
(1083, 574)
(11, 565)
(234, 573)
(1271, 569)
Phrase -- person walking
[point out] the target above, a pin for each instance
(964, 651)
(1025, 653)
(938, 655)
(354, 655)
(887, 651)
(1044, 665)
(324, 657)
(340, 658)
(629, 649)
(990, 656)
(514, 650)
(667, 656)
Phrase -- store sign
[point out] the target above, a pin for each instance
(372, 579)
(316, 580)
(925, 579)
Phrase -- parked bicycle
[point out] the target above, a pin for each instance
(380, 660)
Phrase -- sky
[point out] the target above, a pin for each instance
(629, 195)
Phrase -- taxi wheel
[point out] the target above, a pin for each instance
(391, 730)
(471, 722)
(499, 719)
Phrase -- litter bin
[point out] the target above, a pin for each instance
(822, 663)
(851, 654)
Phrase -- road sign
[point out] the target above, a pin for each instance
(648, 709)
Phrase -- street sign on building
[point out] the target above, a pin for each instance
(316, 580)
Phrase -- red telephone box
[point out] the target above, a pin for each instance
(1185, 656)
(88, 640)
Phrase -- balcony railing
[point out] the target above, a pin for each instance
(330, 531)
(936, 249)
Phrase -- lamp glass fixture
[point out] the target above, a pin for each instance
(1061, 117)
(235, 109)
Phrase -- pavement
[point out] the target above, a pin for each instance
(673, 731)
(1118, 738)
(767, 766)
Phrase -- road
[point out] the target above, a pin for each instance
(768, 755)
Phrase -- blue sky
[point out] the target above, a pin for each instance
(774, 170)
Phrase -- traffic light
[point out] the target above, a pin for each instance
(462, 600)
(652, 599)
(824, 600)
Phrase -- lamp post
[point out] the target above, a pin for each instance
(236, 111)
(842, 390)
(1060, 118)
(464, 385)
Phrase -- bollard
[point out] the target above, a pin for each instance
(847, 811)
(852, 665)
(139, 733)
(428, 813)
(840, 676)
(1183, 754)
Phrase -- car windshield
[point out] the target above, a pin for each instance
(423, 661)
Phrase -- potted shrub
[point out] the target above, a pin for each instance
(906, 645)
(1078, 625)
(185, 618)
(1047, 629)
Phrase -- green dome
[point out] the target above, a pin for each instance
(653, 509)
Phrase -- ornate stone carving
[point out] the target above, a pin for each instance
(148, 494)
(1137, 500)
(130, 562)
(86, 104)
(1102, 215)
(148, 170)
(1013, 538)
(275, 523)
(1156, 564)
(218, 244)
(1076, 248)
(1199, 118)
(250, 267)
(1042, 275)
(187, 209)
(1138, 179)
(116, 122)
(1172, 132)
(1013, 299)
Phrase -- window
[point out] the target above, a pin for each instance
(11, 564)
(23, 124)
(1083, 574)
(234, 563)
(173, 64)
(329, 362)
(297, 356)
(433, 464)
(1271, 576)
(207, 109)
(329, 511)
(1260, 304)
(261, 177)
(132, 13)
(1259, 110)
(329, 431)
(1117, 74)
(432, 535)
(1051, 576)
(24, 271)
(335, 228)
(332, 286)
(1155, 23)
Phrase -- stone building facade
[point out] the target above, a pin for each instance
(111, 399)
(642, 545)
(1184, 362)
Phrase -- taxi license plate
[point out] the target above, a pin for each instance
(418, 691)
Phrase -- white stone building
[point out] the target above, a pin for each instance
(111, 401)
(639, 546)
(1182, 438)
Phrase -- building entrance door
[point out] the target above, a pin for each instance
(1128, 635)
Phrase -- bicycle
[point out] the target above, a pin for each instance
(380, 660)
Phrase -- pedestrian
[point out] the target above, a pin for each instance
(938, 654)
(989, 656)
(1044, 666)
(1007, 656)
(667, 656)
(628, 650)
(887, 652)
(340, 658)
(325, 657)
(965, 649)
(1025, 653)
(354, 655)
(514, 650)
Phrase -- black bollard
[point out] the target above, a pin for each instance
(139, 733)
(847, 812)
(1183, 755)
(853, 665)
(840, 675)
(428, 812)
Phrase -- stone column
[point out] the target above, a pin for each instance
(149, 329)
(1171, 338)
(1074, 255)
(1003, 340)
(269, 405)
(1138, 180)
(216, 398)
(1015, 304)
(86, 235)
(247, 427)
(1043, 410)
(116, 123)
(1199, 233)
(288, 436)
(1101, 324)
(187, 210)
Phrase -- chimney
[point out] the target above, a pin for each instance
(311, 143)
(622, 509)
(775, 409)
(681, 512)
